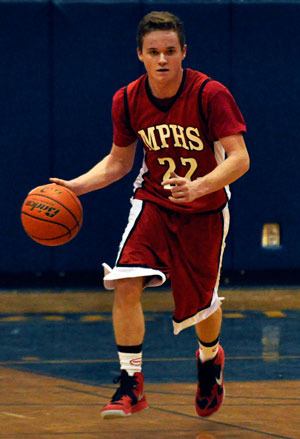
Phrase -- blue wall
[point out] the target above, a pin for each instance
(61, 62)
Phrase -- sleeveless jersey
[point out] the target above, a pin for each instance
(181, 136)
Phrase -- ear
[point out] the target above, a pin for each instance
(140, 55)
(184, 51)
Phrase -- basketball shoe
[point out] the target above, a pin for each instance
(128, 398)
(210, 389)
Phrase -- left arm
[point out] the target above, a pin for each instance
(233, 167)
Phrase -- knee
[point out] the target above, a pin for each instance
(128, 291)
(218, 313)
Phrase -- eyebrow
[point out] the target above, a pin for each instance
(169, 47)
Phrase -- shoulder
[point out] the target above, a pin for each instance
(214, 88)
(194, 76)
(135, 86)
(119, 95)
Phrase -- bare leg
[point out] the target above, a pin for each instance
(129, 329)
(209, 329)
(128, 316)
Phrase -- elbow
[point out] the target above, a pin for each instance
(121, 168)
(244, 163)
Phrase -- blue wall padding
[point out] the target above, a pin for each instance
(61, 62)
(24, 126)
(90, 62)
(266, 41)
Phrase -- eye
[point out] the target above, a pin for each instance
(153, 52)
(171, 51)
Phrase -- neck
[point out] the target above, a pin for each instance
(162, 89)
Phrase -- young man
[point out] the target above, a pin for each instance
(187, 124)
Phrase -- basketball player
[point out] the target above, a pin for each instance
(191, 130)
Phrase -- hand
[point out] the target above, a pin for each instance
(182, 189)
(66, 183)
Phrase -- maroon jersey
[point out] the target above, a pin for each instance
(179, 134)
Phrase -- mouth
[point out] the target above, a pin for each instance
(162, 70)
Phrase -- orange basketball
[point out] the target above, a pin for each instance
(51, 214)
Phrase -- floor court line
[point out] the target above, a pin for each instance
(65, 368)
(15, 415)
(228, 396)
(73, 404)
(252, 430)
(67, 362)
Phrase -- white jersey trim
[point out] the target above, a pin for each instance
(134, 213)
(156, 277)
(140, 178)
(220, 157)
(201, 315)
(216, 300)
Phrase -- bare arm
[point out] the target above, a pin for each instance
(110, 169)
(233, 167)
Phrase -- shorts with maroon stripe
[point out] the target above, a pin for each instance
(161, 244)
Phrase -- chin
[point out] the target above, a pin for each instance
(163, 77)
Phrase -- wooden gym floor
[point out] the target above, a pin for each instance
(57, 363)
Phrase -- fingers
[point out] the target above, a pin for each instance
(179, 192)
(179, 188)
(173, 181)
(58, 181)
(69, 184)
(178, 196)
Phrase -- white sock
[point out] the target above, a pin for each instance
(131, 362)
(208, 352)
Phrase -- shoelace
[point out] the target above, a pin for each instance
(127, 386)
(207, 374)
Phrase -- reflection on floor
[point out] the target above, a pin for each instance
(258, 345)
(58, 361)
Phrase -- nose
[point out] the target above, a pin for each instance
(162, 59)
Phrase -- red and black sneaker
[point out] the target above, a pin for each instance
(210, 389)
(128, 398)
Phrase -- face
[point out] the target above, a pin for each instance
(162, 56)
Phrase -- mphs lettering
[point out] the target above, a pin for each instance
(156, 137)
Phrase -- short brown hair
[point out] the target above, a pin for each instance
(160, 20)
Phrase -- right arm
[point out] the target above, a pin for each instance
(111, 168)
